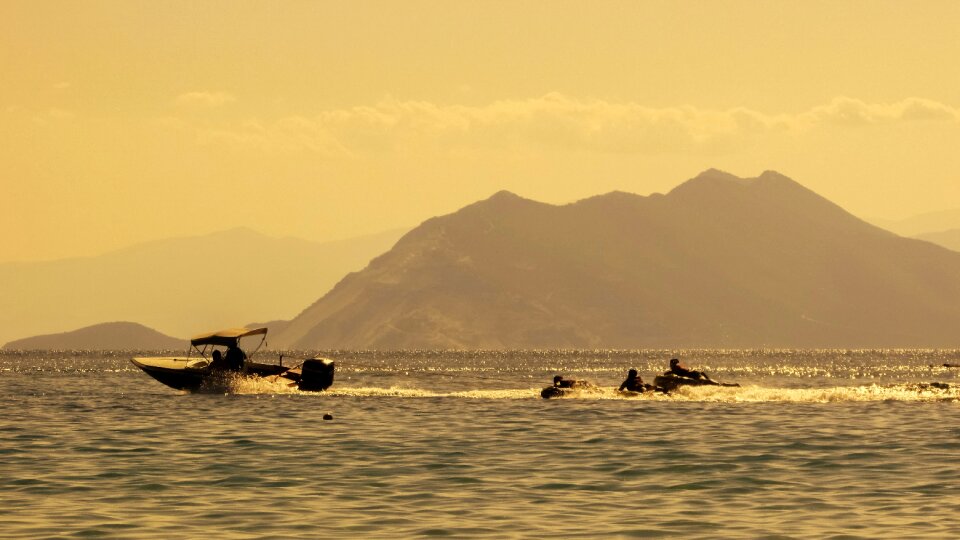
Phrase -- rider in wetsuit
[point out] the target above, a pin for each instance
(633, 382)
(680, 371)
(560, 382)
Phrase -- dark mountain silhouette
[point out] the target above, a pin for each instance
(106, 336)
(949, 239)
(719, 261)
(181, 286)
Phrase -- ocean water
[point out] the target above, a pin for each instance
(815, 444)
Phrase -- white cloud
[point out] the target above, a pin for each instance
(206, 99)
(553, 121)
(844, 110)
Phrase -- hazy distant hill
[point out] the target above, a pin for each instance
(181, 286)
(949, 239)
(106, 336)
(922, 224)
(718, 262)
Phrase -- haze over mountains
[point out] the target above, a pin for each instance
(949, 239)
(942, 228)
(930, 222)
(717, 262)
(180, 286)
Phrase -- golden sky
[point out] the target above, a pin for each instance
(124, 121)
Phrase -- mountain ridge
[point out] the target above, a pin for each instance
(717, 261)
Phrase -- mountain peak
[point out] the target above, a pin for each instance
(709, 180)
(714, 180)
(770, 173)
(501, 200)
(717, 174)
(773, 177)
(504, 195)
(615, 197)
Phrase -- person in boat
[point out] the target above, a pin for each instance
(217, 361)
(679, 370)
(235, 358)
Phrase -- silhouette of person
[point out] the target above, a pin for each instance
(217, 360)
(560, 382)
(633, 382)
(235, 357)
(681, 371)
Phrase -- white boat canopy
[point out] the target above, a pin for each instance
(225, 337)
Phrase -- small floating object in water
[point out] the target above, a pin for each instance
(328, 416)
(555, 392)
(565, 389)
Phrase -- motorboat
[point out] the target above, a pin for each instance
(670, 382)
(194, 372)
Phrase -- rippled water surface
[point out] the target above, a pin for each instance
(815, 444)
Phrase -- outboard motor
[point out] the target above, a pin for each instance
(316, 374)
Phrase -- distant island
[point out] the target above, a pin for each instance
(106, 336)
(719, 261)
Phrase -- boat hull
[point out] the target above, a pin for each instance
(178, 373)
